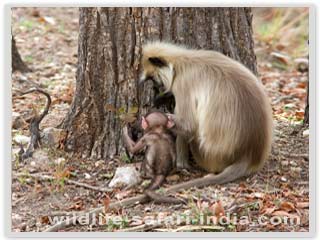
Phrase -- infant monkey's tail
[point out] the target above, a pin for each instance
(156, 197)
(156, 182)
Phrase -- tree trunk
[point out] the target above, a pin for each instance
(306, 111)
(16, 62)
(109, 52)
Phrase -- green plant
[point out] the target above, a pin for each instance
(27, 24)
(125, 158)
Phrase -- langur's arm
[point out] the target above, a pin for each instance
(131, 145)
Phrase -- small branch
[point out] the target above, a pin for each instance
(46, 109)
(295, 155)
(113, 205)
(142, 198)
(99, 189)
(34, 124)
(189, 228)
(141, 228)
(283, 98)
(50, 178)
(65, 213)
(124, 203)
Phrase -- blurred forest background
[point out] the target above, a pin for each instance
(47, 40)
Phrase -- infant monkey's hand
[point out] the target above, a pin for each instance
(171, 120)
(125, 130)
(170, 116)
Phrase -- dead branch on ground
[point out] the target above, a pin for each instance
(34, 125)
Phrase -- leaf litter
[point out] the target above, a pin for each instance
(47, 41)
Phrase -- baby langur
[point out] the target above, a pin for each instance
(160, 154)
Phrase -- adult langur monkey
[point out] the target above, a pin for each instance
(221, 112)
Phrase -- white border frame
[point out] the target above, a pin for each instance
(6, 121)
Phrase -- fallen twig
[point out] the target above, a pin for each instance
(69, 181)
(141, 228)
(188, 228)
(127, 202)
(283, 98)
(66, 213)
(123, 203)
(295, 155)
(69, 222)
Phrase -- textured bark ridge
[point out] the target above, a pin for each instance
(109, 52)
(16, 62)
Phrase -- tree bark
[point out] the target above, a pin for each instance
(109, 51)
(306, 111)
(16, 61)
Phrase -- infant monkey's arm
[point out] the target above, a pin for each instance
(131, 145)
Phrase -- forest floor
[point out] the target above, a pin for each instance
(47, 41)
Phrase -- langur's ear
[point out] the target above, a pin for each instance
(144, 123)
(159, 62)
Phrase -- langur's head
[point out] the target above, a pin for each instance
(156, 67)
(154, 119)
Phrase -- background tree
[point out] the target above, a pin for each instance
(306, 111)
(109, 52)
(16, 62)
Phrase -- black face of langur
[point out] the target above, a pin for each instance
(160, 154)
(162, 98)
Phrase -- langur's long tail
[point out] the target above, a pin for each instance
(229, 174)
(158, 198)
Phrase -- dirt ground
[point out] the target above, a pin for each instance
(47, 41)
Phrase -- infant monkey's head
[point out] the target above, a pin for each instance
(156, 118)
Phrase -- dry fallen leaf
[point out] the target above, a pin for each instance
(302, 205)
(287, 206)
(283, 214)
(38, 187)
(35, 13)
(217, 209)
(77, 206)
(62, 174)
(44, 220)
(268, 211)
(299, 114)
(258, 195)
(106, 203)
(173, 178)
(110, 107)
(122, 194)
